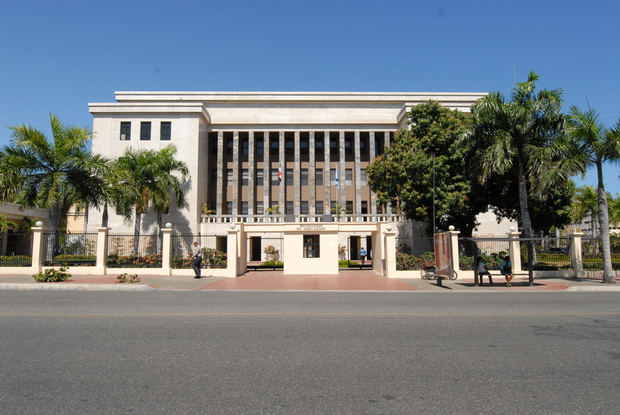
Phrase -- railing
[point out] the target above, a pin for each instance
(214, 250)
(280, 218)
(124, 251)
(593, 254)
(16, 249)
(69, 249)
(550, 254)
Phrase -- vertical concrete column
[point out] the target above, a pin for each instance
(166, 250)
(220, 172)
(342, 173)
(102, 250)
(576, 257)
(232, 262)
(282, 164)
(311, 174)
(454, 248)
(327, 173)
(386, 144)
(371, 149)
(242, 246)
(297, 176)
(389, 245)
(266, 174)
(235, 178)
(251, 150)
(377, 249)
(37, 248)
(358, 173)
(514, 250)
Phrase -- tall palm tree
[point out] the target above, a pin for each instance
(523, 137)
(585, 203)
(153, 175)
(37, 172)
(597, 145)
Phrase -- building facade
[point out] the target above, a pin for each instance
(264, 156)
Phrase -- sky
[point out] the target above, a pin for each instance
(57, 56)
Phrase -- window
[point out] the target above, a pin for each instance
(274, 177)
(229, 146)
(289, 208)
(318, 207)
(318, 144)
(259, 208)
(125, 130)
(318, 177)
(289, 144)
(348, 145)
(311, 246)
(165, 131)
(260, 147)
(304, 177)
(349, 207)
(229, 176)
(244, 146)
(304, 146)
(244, 177)
(348, 177)
(332, 207)
(289, 177)
(273, 144)
(274, 206)
(244, 208)
(213, 176)
(304, 207)
(332, 177)
(145, 130)
(259, 177)
(363, 178)
(364, 207)
(229, 208)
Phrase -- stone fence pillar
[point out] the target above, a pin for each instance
(232, 260)
(102, 250)
(576, 257)
(166, 249)
(454, 248)
(389, 245)
(37, 248)
(514, 250)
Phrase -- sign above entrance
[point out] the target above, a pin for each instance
(310, 227)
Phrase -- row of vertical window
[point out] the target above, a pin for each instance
(318, 177)
(289, 208)
(165, 130)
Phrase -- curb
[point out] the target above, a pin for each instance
(75, 287)
(595, 288)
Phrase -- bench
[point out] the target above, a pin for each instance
(263, 267)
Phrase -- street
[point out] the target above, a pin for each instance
(75, 352)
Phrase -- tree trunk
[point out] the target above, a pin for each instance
(52, 239)
(603, 219)
(104, 216)
(527, 226)
(136, 232)
(160, 235)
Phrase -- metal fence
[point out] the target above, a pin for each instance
(127, 251)
(592, 252)
(214, 250)
(16, 249)
(414, 254)
(69, 249)
(491, 252)
(549, 254)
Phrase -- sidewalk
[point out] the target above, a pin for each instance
(276, 281)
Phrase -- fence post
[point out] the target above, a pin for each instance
(576, 258)
(390, 252)
(514, 250)
(102, 250)
(37, 247)
(166, 248)
(232, 256)
(454, 248)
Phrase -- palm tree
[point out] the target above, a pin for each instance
(37, 172)
(585, 203)
(597, 145)
(7, 225)
(152, 175)
(525, 138)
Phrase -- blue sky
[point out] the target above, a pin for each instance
(57, 56)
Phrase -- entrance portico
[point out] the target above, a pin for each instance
(312, 248)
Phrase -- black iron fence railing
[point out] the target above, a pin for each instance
(16, 249)
(592, 252)
(69, 249)
(214, 249)
(127, 251)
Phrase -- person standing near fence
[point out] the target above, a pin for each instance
(363, 255)
(196, 258)
(506, 270)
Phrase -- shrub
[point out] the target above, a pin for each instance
(405, 261)
(134, 261)
(273, 264)
(344, 263)
(130, 278)
(52, 275)
(72, 260)
(15, 261)
(271, 253)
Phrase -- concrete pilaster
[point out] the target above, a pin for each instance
(358, 187)
(37, 249)
(389, 246)
(386, 145)
(282, 164)
(220, 172)
(311, 174)
(235, 178)
(514, 250)
(297, 176)
(251, 150)
(327, 174)
(576, 258)
(102, 250)
(166, 251)
(232, 265)
(266, 174)
(341, 173)
(454, 249)
(371, 149)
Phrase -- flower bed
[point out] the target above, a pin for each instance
(73, 260)
(15, 261)
(212, 258)
(134, 261)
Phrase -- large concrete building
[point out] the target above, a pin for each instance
(265, 156)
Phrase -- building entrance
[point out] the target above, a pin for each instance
(255, 248)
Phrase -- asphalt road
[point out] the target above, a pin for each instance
(71, 352)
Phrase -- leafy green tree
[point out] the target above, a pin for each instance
(585, 203)
(597, 145)
(614, 209)
(6, 225)
(430, 151)
(525, 138)
(50, 175)
(153, 175)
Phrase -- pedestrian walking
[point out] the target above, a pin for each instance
(506, 270)
(363, 255)
(483, 270)
(196, 259)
